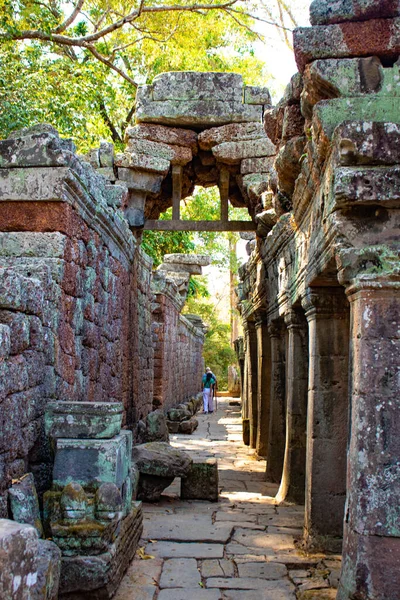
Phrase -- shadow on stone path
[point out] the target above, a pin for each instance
(241, 548)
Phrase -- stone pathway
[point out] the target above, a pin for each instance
(241, 548)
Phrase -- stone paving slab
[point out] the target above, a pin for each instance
(144, 572)
(262, 570)
(185, 550)
(238, 583)
(189, 594)
(217, 568)
(180, 573)
(136, 592)
(266, 594)
(257, 539)
(190, 529)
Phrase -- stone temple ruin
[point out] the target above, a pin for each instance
(89, 335)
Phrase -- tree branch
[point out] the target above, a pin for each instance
(71, 18)
(109, 64)
(114, 133)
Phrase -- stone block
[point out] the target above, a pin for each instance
(106, 154)
(257, 165)
(160, 459)
(234, 152)
(94, 420)
(190, 85)
(91, 462)
(178, 155)
(24, 503)
(141, 181)
(153, 428)
(293, 122)
(49, 570)
(323, 13)
(166, 135)
(328, 114)
(378, 37)
(273, 123)
(288, 164)
(32, 244)
(346, 77)
(201, 483)
(234, 132)
(36, 148)
(191, 269)
(151, 487)
(367, 185)
(367, 143)
(98, 577)
(188, 594)
(178, 414)
(187, 427)
(256, 95)
(197, 113)
(173, 426)
(187, 259)
(142, 162)
(18, 560)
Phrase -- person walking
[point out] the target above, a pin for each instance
(213, 391)
(208, 382)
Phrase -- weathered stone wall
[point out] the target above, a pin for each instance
(77, 301)
(141, 338)
(178, 344)
(323, 285)
(75, 291)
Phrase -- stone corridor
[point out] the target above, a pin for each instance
(239, 548)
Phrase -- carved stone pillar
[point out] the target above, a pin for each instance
(292, 486)
(276, 437)
(252, 383)
(263, 384)
(371, 552)
(328, 327)
(245, 386)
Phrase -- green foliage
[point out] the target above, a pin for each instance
(158, 243)
(76, 88)
(217, 351)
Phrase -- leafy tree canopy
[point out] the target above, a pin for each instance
(77, 64)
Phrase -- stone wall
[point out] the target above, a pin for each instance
(178, 344)
(320, 289)
(76, 301)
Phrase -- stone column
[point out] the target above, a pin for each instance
(292, 486)
(276, 437)
(252, 382)
(371, 553)
(245, 387)
(327, 314)
(263, 384)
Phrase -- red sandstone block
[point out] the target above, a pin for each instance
(379, 37)
(323, 12)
